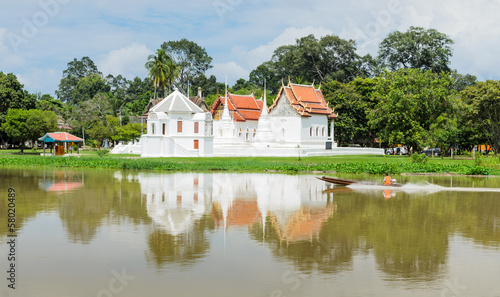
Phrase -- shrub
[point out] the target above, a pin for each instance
(418, 158)
(479, 161)
(478, 170)
(102, 153)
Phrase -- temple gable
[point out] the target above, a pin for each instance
(283, 108)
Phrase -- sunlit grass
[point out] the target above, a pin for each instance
(343, 164)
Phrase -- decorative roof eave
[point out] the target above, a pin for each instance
(301, 107)
(277, 98)
(215, 104)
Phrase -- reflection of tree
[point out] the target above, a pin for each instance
(29, 199)
(83, 211)
(410, 236)
(479, 218)
(184, 248)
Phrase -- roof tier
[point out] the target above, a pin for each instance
(176, 102)
(305, 100)
(241, 107)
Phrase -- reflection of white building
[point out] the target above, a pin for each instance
(175, 201)
(295, 204)
(176, 127)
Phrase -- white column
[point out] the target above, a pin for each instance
(332, 130)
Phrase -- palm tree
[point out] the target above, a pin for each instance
(162, 70)
(173, 73)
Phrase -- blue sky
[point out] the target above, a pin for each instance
(39, 37)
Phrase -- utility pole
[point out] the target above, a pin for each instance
(83, 132)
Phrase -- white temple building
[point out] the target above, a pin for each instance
(298, 123)
(176, 127)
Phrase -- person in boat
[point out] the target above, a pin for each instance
(387, 180)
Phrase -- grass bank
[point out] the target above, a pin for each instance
(340, 164)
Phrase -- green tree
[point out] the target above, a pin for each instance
(209, 86)
(40, 122)
(192, 59)
(352, 102)
(416, 48)
(23, 125)
(242, 84)
(138, 94)
(128, 132)
(87, 87)
(462, 81)
(410, 101)
(16, 127)
(77, 69)
(329, 58)
(483, 100)
(13, 95)
(47, 102)
(92, 113)
(264, 73)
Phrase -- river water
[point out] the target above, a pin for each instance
(118, 233)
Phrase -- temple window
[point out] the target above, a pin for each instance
(196, 127)
(179, 126)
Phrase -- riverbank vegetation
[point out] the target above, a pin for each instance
(339, 164)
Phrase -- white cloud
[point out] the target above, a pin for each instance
(7, 59)
(232, 69)
(128, 61)
(37, 80)
(474, 26)
(254, 57)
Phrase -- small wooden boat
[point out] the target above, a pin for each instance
(346, 182)
(337, 181)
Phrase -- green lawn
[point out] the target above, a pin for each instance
(342, 164)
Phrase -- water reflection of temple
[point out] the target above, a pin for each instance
(295, 205)
(296, 218)
(175, 202)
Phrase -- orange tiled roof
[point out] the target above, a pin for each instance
(305, 100)
(60, 137)
(242, 108)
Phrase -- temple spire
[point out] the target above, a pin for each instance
(264, 106)
(225, 113)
